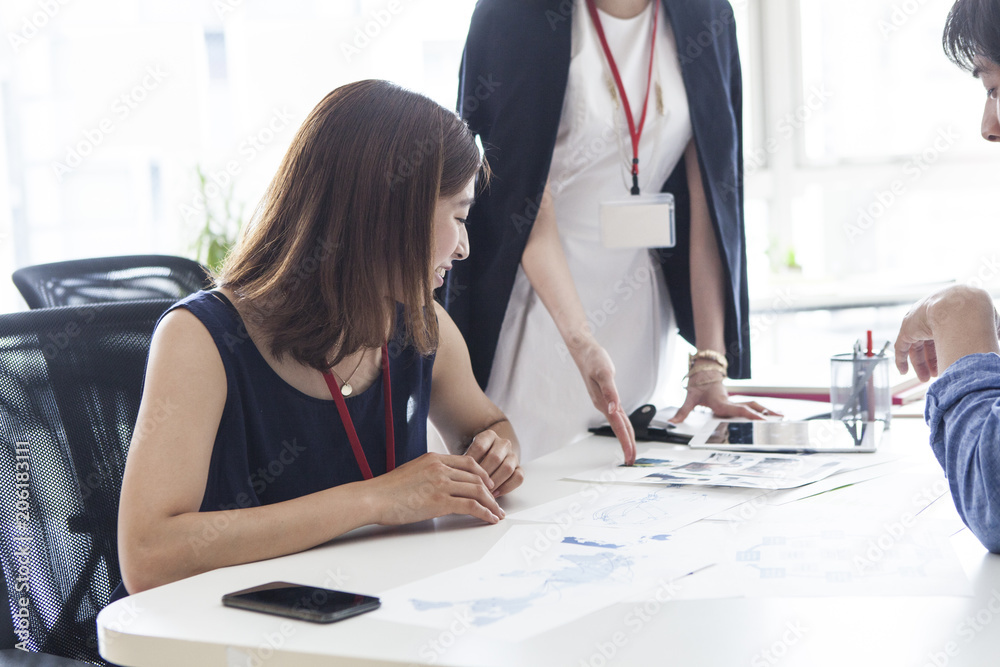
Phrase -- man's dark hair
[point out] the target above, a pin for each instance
(972, 29)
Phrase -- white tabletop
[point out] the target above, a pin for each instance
(184, 623)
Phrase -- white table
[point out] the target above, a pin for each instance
(184, 623)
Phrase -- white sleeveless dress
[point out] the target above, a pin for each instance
(534, 380)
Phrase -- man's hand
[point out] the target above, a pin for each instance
(944, 327)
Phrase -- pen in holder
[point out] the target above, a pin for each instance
(859, 387)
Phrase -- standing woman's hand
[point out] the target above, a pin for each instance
(715, 397)
(544, 264)
(706, 372)
(598, 373)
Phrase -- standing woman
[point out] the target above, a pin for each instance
(580, 102)
(289, 405)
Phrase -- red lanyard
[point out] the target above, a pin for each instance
(352, 435)
(634, 132)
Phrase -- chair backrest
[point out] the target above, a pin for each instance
(70, 385)
(103, 279)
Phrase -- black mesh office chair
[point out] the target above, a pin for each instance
(102, 279)
(70, 384)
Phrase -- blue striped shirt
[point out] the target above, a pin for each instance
(963, 411)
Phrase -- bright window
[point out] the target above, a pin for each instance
(865, 174)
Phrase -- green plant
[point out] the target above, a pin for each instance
(221, 227)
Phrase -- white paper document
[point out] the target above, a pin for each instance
(822, 558)
(644, 509)
(538, 577)
(756, 471)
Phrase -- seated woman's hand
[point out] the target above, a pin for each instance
(497, 457)
(434, 485)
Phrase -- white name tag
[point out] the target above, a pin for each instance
(641, 221)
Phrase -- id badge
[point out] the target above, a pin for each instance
(641, 221)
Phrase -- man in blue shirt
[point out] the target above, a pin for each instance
(954, 332)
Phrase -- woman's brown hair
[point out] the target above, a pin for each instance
(345, 229)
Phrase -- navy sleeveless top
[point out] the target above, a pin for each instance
(276, 443)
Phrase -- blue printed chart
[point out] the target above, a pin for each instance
(729, 469)
(534, 580)
(840, 558)
(642, 508)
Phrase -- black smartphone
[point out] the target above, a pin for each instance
(307, 603)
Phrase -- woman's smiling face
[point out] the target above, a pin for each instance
(451, 241)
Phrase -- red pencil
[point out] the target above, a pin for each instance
(871, 383)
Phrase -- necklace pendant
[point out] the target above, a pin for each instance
(609, 82)
(347, 389)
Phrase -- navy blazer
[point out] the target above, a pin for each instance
(511, 88)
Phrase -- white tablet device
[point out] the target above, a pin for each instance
(819, 435)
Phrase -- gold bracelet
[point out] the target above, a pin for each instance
(709, 356)
(702, 383)
(699, 366)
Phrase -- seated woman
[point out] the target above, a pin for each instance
(954, 332)
(289, 405)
